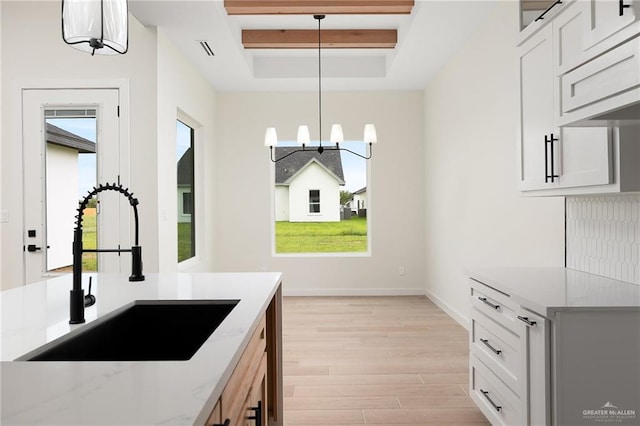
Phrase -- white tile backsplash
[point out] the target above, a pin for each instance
(603, 235)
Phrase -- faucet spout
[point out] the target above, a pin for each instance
(77, 299)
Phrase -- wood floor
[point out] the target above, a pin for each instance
(374, 360)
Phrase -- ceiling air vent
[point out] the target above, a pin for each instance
(206, 47)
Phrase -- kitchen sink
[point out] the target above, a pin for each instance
(147, 330)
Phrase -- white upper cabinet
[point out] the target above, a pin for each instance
(553, 158)
(607, 19)
(560, 82)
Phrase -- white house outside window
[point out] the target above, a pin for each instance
(314, 201)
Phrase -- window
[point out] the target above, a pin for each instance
(315, 195)
(186, 203)
(314, 201)
(185, 191)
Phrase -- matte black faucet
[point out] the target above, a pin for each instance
(77, 300)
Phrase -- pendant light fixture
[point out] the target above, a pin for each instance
(96, 26)
(336, 137)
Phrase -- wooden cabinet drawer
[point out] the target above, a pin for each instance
(499, 403)
(499, 348)
(235, 393)
(614, 74)
(495, 305)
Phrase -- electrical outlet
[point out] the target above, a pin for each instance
(401, 270)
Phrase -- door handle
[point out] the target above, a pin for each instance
(549, 154)
(257, 414)
(622, 7)
(33, 248)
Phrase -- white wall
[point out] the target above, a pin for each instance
(314, 176)
(183, 93)
(244, 176)
(2, 206)
(475, 214)
(33, 54)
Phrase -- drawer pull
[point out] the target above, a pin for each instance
(527, 321)
(258, 414)
(486, 302)
(226, 423)
(541, 17)
(486, 395)
(487, 344)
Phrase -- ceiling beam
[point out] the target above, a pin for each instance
(311, 7)
(308, 39)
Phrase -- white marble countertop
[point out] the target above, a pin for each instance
(122, 393)
(544, 290)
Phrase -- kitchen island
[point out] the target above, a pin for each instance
(128, 392)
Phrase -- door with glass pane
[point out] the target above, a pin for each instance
(71, 143)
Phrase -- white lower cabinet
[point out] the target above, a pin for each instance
(573, 366)
(535, 365)
(498, 402)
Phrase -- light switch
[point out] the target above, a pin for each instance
(4, 216)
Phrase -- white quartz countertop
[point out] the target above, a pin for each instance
(122, 393)
(544, 290)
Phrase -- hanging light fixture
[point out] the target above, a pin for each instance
(96, 26)
(336, 137)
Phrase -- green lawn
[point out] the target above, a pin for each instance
(346, 236)
(89, 260)
(184, 241)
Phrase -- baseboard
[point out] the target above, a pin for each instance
(460, 319)
(353, 292)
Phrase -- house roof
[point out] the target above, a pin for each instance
(293, 164)
(361, 190)
(185, 168)
(58, 136)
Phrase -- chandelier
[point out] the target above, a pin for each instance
(96, 26)
(336, 137)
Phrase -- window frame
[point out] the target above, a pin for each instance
(187, 122)
(370, 218)
(315, 203)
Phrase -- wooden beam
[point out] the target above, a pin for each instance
(308, 39)
(311, 7)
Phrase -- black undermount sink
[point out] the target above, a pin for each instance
(147, 330)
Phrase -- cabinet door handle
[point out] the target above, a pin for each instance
(487, 344)
(527, 321)
(486, 395)
(257, 414)
(549, 154)
(227, 422)
(486, 302)
(541, 17)
(622, 7)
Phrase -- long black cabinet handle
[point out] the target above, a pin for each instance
(541, 17)
(226, 423)
(257, 414)
(549, 154)
(487, 344)
(527, 320)
(623, 7)
(486, 395)
(486, 302)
